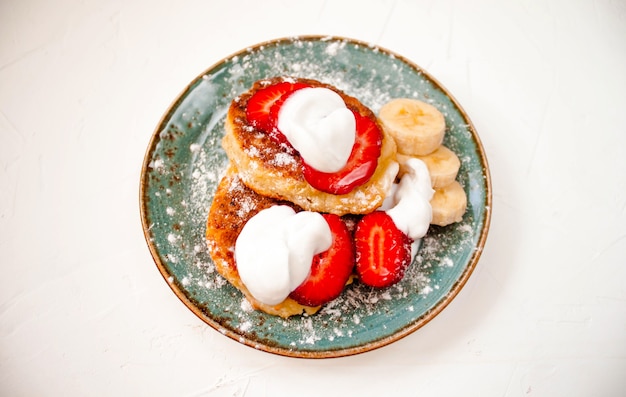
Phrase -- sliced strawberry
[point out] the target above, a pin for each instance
(330, 270)
(275, 133)
(360, 166)
(260, 104)
(383, 252)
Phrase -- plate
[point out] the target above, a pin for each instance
(184, 162)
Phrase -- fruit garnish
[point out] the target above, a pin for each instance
(330, 269)
(449, 204)
(273, 131)
(360, 166)
(417, 127)
(443, 166)
(383, 252)
(260, 105)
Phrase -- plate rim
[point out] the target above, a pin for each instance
(329, 353)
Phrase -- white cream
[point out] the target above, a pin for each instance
(275, 249)
(318, 124)
(408, 203)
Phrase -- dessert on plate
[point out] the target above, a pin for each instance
(320, 191)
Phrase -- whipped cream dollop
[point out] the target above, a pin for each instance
(318, 124)
(275, 249)
(408, 203)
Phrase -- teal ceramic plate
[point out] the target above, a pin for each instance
(184, 162)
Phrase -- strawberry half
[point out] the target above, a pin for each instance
(330, 270)
(261, 102)
(360, 166)
(275, 133)
(383, 252)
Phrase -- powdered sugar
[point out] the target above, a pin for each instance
(283, 159)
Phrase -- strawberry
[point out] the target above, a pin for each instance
(330, 270)
(383, 252)
(275, 133)
(360, 166)
(261, 102)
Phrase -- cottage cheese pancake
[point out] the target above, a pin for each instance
(272, 167)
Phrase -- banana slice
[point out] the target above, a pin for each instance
(443, 165)
(449, 204)
(416, 126)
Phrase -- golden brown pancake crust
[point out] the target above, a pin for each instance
(234, 204)
(274, 170)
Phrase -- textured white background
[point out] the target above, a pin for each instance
(84, 311)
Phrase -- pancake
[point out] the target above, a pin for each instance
(275, 171)
(233, 205)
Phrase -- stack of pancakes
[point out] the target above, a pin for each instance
(263, 173)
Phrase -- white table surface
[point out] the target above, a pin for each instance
(85, 312)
